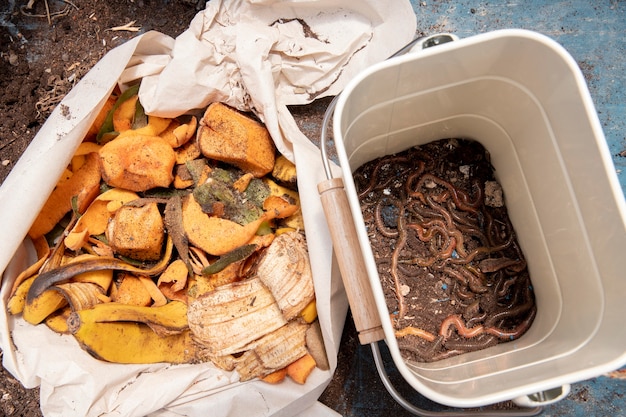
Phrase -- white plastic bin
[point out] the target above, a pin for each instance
(524, 98)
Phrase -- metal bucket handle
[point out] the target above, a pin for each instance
(354, 274)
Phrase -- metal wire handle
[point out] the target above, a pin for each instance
(423, 42)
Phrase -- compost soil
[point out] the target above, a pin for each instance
(454, 276)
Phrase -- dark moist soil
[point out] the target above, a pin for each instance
(452, 271)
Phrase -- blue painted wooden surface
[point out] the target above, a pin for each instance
(594, 33)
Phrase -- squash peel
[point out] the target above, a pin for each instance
(85, 183)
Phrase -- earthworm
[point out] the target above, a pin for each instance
(476, 319)
(394, 262)
(482, 342)
(460, 241)
(461, 202)
(428, 353)
(456, 321)
(415, 331)
(451, 229)
(512, 311)
(466, 277)
(496, 264)
(483, 249)
(374, 174)
(503, 285)
(407, 272)
(462, 294)
(517, 331)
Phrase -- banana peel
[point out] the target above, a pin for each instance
(129, 342)
(57, 321)
(172, 315)
(295, 221)
(284, 172)
(65, 272)
(122, 333)
(16, 303)
(38, 308)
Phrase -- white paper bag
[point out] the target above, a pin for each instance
(254, 55)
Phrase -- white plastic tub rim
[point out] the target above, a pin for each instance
(524, 98)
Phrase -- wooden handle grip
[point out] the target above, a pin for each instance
(350, 260)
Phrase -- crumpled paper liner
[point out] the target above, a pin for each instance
(254, 55)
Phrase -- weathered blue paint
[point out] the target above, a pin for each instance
(594, 33)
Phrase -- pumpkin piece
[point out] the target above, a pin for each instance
(263, 241)
(181, 184)
(227, 275)
(182, 178)
(188, 152)
(84, 184)
(86, 148)
(137, 232)
(300, 370)
(279, 206)
(275, 377)
(137, 162)
(124, 114)
(242, 182)
(77, 162)
(93, 222)
(176, 273)
(166, 290)
(100, 118)
(156, 125)
(178, 134)
(131, 291)
(155, 294)
(66, 175)
(229, 136)
(76, 239)
(214, 235)
(116, 198)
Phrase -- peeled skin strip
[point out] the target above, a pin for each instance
(274, 351)
(227, 319)
(286, 270)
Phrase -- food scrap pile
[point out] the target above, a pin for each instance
(177, 240)
(454, 276)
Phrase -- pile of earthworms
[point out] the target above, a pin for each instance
(454, 276)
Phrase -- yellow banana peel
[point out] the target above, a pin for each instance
(129, 342)
(172, 316)
(18, 299)
(57, 321)
(38, 308)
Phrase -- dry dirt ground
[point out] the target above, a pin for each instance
(46, 46)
